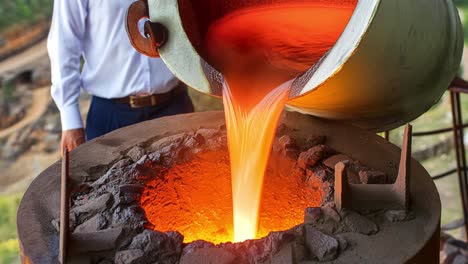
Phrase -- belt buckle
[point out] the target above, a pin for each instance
(136, 101)
(133, 103)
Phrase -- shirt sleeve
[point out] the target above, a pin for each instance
(65, 47)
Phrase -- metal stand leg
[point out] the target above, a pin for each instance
(460, 154)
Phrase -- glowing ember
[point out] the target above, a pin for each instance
(258, 50)
(195, 198)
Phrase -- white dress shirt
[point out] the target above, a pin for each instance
(95, 29)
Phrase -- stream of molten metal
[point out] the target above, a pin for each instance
(250, 135)
(258, 49)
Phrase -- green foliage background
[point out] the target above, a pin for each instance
(23, 12)
(463, 5)
(9, 247)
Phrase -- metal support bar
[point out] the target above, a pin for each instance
(453, 225)
(444, 174)
(402, 184)
(436, 132)
(458, 133)
(376, 196)
(64, 208)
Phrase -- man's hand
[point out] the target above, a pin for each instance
(71, 139)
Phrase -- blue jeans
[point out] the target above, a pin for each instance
(106, 115)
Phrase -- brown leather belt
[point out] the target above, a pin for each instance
(153, 99)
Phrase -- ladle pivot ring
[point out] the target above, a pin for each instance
(156, 34)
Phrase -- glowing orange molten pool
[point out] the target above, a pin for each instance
(195, 198)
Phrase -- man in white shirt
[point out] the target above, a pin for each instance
(127, 87)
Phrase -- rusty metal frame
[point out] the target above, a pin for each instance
(457, 87)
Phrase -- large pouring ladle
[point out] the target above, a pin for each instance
(393, 61)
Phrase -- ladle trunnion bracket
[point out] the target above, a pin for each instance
(393, 61)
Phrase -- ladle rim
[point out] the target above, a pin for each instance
(198, 74)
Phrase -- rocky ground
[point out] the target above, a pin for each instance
(21, 37)
(13, 106)
(31, 147)
(30, 126)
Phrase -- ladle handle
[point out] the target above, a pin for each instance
(156, 34)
